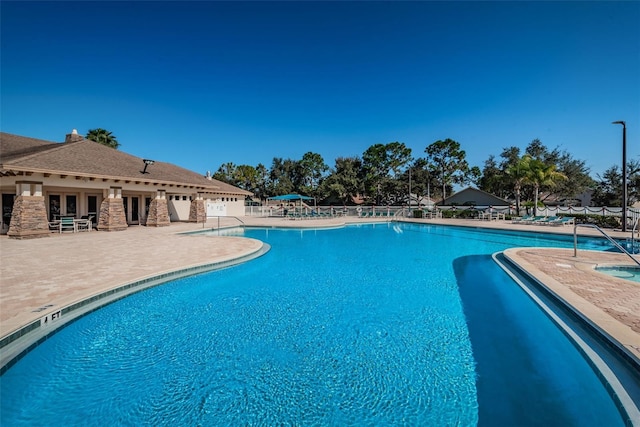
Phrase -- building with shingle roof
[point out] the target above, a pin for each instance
(474, 197)
(42, 181)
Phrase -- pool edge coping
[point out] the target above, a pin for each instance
(16, 344)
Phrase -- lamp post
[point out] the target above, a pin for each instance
(409, 190)
(624, 173)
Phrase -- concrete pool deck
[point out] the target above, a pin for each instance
(40, 276)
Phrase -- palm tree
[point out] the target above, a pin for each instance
(542, 175)
(104, 137)
(519, 173)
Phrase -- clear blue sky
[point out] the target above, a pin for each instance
(199, 84)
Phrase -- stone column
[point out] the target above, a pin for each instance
(112, 216)
(197, 211)
(159, 211)
(29, 215)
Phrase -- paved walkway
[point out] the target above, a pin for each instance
(41, 275)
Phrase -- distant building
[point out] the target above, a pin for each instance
(582, 199)
(41, 181)
(473, 197)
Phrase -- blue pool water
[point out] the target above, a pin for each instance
(388, 324)
(629, 273)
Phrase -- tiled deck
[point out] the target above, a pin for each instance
(67, 268)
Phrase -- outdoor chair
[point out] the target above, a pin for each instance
(67, 224)
(83, 225)
(521, 220)
(54, 226)
(535, 219)
(548, 220)
(565, 220)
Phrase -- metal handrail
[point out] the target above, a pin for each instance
(633, 231)
(616, 244)
(225, 216)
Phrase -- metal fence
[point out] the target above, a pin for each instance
(633, 215)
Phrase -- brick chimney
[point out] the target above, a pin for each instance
(73, 137)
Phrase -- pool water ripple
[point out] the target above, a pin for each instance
(354, 326)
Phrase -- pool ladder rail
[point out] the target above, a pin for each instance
(611, 240)
(218, 217)
(634, 242)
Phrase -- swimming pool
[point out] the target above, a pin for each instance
(371, 325)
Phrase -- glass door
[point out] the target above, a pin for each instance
(54, 207)
(71, 205)
(92, 208)
(135, 210)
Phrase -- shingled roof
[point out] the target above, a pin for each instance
(87, 158)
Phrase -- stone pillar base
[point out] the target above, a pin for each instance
(197, 212)
(158, 213)
(112, 217)
(29, 218)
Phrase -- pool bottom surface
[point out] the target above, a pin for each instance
(356, 326)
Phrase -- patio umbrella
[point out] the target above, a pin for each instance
(291, 197)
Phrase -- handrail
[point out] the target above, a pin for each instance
(223, 216)
(398, 213)
(633, 231)
(616, 244)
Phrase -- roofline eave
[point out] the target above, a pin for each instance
(17, 170)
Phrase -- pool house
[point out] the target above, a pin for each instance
(43, 181)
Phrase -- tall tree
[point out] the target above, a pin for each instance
(510, 156)
(608, 189)
(226, 173)
(345, 181)
(381, 164)
(493, 178)
(577, 173)
(262, 181)
(104, 137)
(518, 174)
(246, 177)
(422, 180)
(283, 177)
(312, 169)
(537, 150)
(398, 156)
(541, 175)
(448, 161)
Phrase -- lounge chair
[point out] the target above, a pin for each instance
(547, 220)
(521, 220)
(565, 220)
(535, 219)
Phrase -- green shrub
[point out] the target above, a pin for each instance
(599, 220)
(417, 213)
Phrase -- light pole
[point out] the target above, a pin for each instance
(409, 190)
(624, 173)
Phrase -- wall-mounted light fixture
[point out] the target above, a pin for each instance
(147, 162)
